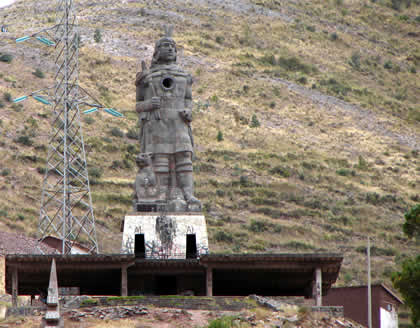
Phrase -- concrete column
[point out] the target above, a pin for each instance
(317, 287)
(15, 285)
(2, 275)
(209, 281)
(124, 288)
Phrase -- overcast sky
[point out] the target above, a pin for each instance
(5, 2)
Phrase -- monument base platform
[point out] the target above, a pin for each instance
(165, 235)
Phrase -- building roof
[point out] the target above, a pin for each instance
(378, 285)
(56, 243)
(13, 243)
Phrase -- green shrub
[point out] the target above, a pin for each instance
(5, 172)
(258, 226)
(376, 251)
(89, 302)
(132, 134)
(223, 236)
(220, 193)
(334, 36)
(244, 181)
(298, 245)
(283, 171)
(24, 140)
(336, 87)
(39, 73)
(293, 64)
(388, 64)
(224, 322)
(7, 96)
(220, 39)
(345, 172)
(1, 104)
(6, 58)
(264, 201)
(355, 60)
(95, 172)
(116, 132)
(97, 36)
(302, 80)
(268, 59)
(255, 123)
(89, 120)
(311, 28)
(219, 136)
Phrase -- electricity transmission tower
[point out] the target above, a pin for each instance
(66, 204)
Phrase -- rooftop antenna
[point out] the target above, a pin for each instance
(66, 204)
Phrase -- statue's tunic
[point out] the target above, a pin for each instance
(164, 130)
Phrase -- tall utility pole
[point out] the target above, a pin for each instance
(369, 286)
(66, 205)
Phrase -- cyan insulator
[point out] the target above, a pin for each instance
(90, 110)
(113, 112)
(20, 99)
(40, 99)
(23, 38)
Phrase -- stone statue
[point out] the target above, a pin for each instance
(164, 102)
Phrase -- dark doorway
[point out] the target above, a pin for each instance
(139, 246)
(191, 247)
(166, 285)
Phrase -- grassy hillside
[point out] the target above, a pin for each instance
(306, 120)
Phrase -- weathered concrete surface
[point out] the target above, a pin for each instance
(165, 237)
(2, 275)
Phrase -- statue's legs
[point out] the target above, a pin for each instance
(184, 175)
(161, 166)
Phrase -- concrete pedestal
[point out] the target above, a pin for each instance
(162, 236)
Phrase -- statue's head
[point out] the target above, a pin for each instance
(165, 49)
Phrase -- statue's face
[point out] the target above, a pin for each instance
(167, 52)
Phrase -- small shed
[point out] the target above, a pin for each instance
(385, 304)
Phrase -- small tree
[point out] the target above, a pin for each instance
(407, 281)
(7, 96)
(39, 73)
(411, 226)
(254, 122)
(97, 36)
(219, 136)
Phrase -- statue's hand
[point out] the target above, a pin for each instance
(186, 115)
(155, 103)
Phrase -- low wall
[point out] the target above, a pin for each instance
(182, 302)
(335, 311)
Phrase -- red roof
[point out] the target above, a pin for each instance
(13, 243)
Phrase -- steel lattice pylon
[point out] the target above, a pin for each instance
(66, 206)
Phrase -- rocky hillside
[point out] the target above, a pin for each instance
(306, 119)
